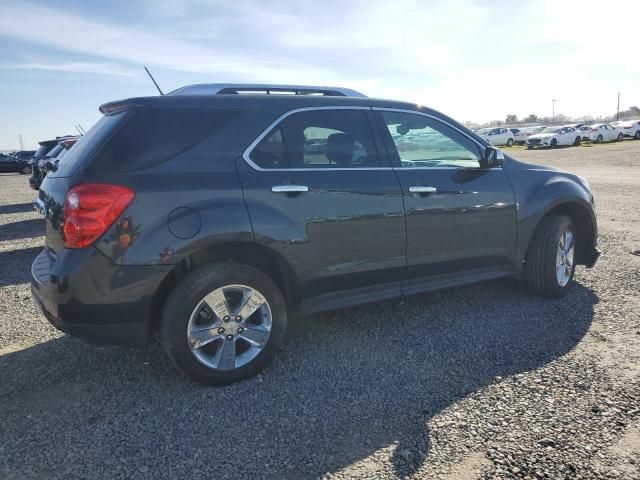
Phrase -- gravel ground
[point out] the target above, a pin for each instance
(489, 382)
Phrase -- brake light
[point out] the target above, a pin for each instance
(91, 208)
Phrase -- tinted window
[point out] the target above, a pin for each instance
(424, 142)
(319, 139)
(55, 151)
(43, 149)
(150, 136)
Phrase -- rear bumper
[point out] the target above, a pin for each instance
(84, 294)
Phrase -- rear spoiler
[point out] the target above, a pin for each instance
(117, 106)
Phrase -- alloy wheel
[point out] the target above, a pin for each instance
(229, 327)
(564, 257)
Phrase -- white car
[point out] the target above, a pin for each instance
(604, 132)
(631, 128)
(497, 136)
(519, 135)
(555, 136)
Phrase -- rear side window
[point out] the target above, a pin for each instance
(42, 150)
(153, 135)
(319, 139)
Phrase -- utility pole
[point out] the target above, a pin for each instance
(21, 144)
(553, 110)
(618, 110)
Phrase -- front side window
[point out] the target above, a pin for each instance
(319, 139)
(424, 142)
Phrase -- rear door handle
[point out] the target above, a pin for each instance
(289, 188)
(422, 189)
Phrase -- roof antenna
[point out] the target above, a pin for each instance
(82, 128)
(78, 129)
(153, 80)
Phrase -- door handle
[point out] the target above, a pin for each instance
(422, 189)
(289, 188)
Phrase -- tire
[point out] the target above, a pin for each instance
(620, 137)
(181, 313)
(26, 170)
(554, 143)
(541, 268)
(599, 139)
(637, 135)
(577, 141)
(510, 142)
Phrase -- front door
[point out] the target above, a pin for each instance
(321, 195)
(461, 217)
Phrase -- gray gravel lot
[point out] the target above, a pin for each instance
(484, 381)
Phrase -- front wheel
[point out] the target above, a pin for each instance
(637, 135)
(510, 142)
(26, 170)
(550, 262)
(554, 143)
(224, 323)
(620, 137)
(577, 141)
(599, 139)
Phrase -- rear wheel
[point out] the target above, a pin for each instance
(620, 137)
(599, 139)
(577, 141)
(510, 142)
(550, 260)
(224, 323)
(637, 135)
(26, 170)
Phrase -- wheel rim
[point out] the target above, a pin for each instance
(620, 137)
(564, 257)
(599, 139)
(229, 327)
(637, 135)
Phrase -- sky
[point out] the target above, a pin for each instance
(473, 60)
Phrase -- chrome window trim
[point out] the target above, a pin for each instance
(247, 152)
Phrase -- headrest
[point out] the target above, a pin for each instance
(340, 148)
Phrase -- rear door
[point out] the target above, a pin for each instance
(320, 194)
(461, 217)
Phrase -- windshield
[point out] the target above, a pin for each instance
(551, 130)
(483, 131)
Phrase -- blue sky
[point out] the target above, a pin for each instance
(474, 60)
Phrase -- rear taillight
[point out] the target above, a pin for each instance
(594, 129)
(91, 208)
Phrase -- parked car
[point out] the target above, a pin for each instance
(23, 154)
(604, 132)
(519, 135)
(203, 216)
(497, 136)
(9, 164)
(584, 130)
(631, 128)
(52, 160)
(48, 150)
(528, 131)
(555, 136)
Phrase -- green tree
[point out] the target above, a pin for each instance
(511, 119)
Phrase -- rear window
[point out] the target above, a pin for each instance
(43, 149)
(86, 144)
(153, 135)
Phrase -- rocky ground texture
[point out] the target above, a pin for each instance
(480, 382)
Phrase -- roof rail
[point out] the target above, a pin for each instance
(241, 88)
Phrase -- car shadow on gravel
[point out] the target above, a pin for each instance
(16, 208)
(23, 229)
(15, 265)
(348, 384)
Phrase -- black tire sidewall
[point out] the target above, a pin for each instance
(541, 269)
(190, 291)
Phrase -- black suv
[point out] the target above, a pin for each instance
(215, 212)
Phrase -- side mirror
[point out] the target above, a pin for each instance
(492, 157)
